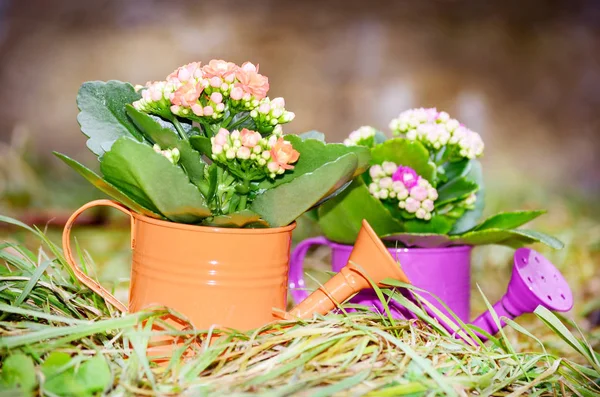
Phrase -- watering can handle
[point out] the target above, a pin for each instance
(296, 276)
(81, 276)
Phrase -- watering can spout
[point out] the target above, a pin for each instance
(535, 281)
(369, 262)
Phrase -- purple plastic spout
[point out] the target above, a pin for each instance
(535, 281)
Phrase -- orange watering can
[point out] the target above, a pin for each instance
(229, 278)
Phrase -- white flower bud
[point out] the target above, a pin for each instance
(266, 155)
(389, 167)
(432, 194)
(383, 194)
(376, 171)
(373, 188)
(262, 161)
(452, 124)
(420, 213)
(385, 183)
(230, 154)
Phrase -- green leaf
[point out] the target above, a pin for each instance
(438, 224)
(315, 154)
(94, 375)
(18, 372)
(454, 190)
(408, 153)
(202, 144)
(213, 181)
(149, 177)
(244, 218)
(283, 204)
(470, 218)
(511, 238)
(102, 114)
(341, 218)
(165, 135)
(456, 169)
(509, 220)
(313, 134)
(141, 207)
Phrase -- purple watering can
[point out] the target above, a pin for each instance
(445, 273)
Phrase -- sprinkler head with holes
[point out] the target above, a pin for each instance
(535, 281)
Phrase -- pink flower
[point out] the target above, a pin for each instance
(221, 69)
(186, 72)
(208, 111)
(236, 93)
(249, 138)
(283, 154)
(221, 137)
(216, 97)
(187, 94)
(412, 205)
(419, 193)
(251, 82)
(243, 153)
(407, 176)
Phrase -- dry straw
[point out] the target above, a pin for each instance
(78, 345)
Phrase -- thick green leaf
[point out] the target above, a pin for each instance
(405, 152)
(143, 207)
(148, 176)
(340, 218)
(470, 218)
(94, 374)
(457, 169)
(438, 224)
(313, 155)
(509, 220)
(245, 218)
(511, 238)
(64, 378)
(313, 134)
(102, 114)
(165, 135)
(283, 204)
(202, 144)
(454, 190)
(18, 372)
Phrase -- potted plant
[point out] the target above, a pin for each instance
(212, 184)
(423, 195)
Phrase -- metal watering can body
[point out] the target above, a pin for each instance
(227, 278)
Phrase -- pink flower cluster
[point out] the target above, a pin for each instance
(204, 92)
(403, 185)
(247, 148)
(436, 129)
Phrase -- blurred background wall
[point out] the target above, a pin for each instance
(524, 74)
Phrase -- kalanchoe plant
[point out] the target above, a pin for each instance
(206, 146)
(424, 188)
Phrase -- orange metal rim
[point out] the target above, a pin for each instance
(212, 229)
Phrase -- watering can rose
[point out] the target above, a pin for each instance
(206, 146)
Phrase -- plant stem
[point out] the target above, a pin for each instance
(244, 197)
(179, 129)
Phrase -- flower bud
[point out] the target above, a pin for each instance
(376, 171)
(385, 183)
(230, 154)
(389, 167)
(243, 153)
(383, 194)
